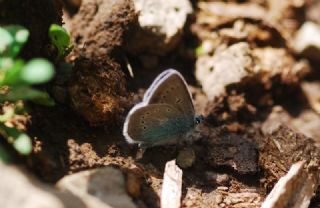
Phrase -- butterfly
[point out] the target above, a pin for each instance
(165, 115)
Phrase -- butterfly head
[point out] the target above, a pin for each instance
(199, 119)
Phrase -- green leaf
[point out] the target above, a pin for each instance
(20, 140)
(12, 74)
(61, 40)
(37, 71)
(199, 50)
(20, 33)
(4, 155)
(20, 36)
(22, 143)
(21, 93)
(44, 99)
(5, 41)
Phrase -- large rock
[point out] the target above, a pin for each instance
(242, 65)
(307, 41)
(160, 25)
(19, 190)
(99, 27)
(105, 188)
(225, 68)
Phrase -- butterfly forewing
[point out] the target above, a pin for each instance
(155, 123)
(170, 88)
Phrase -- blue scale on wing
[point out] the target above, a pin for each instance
(170, 129)
(157, 123)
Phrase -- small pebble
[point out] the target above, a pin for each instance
(217, 178)
(222, 205)
(186, 158)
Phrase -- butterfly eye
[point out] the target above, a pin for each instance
(144, 127)
(199, 119)
(168, 109)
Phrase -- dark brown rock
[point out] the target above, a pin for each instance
(97, 91)
(100, 26)
(234, 151)
(283, 148)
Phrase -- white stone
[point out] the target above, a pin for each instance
(161, 24)
(307, 41)
(104, 187)
(19, 190)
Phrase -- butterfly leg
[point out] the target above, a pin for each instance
(142, 148)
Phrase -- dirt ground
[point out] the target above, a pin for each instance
(84, 131)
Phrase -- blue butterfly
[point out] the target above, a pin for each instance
(166, 114)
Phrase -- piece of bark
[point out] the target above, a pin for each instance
(171, 188)
(295, 189)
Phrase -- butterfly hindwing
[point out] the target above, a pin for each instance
(155, 123)
(170, 88)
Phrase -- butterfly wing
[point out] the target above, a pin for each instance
(155, 124)
(170, 88)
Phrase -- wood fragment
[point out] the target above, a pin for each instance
(171, 188)
(295, 189)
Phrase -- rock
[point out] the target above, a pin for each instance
(307, 40)
(224, 68)
(103, 187)
(306, 122)
(160, 25)
(312, 92)
(283, 148)
(97, 91)
(133, 184)
(217, 178)
(99, 27)
(239, 65)
(234, 151)
(186, 158)
(20, 190)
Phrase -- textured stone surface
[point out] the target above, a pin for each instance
(19, 190)
(160, 25)
(307, 41)
(103, 188)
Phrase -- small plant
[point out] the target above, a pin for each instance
(61, 40)
(16, 80)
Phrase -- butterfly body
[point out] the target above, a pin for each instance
(165, 115)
